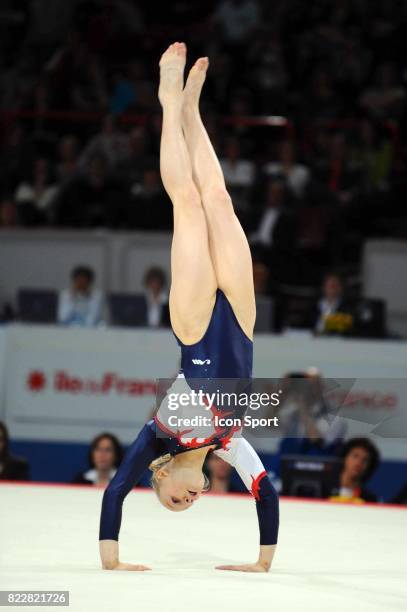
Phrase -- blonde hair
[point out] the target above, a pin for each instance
(158, 463)
(155, 466)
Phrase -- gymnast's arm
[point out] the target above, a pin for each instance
(140, 454)
(245, 460)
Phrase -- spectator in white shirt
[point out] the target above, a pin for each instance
(239, 173)
(81, 304)
(35, 195)
(296, 175)
(155, 283)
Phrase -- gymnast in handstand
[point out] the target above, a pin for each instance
(212, 310)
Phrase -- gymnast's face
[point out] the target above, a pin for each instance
(179, 487)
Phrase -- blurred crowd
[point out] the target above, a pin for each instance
(81, 122)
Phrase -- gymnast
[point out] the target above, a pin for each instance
(212, 309)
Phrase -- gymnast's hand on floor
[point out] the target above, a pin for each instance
(248, 567)
(109, 555)
(262, 564)
(129, 567)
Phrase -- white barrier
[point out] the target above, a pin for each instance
(68, 384)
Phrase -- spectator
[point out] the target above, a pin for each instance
(35, 195)
(360, 460)
(81, 304)
(11, 467)
(384, 99)
(276, 225)
(105, 455)
(331, 302)
(296, 175)
(94, 199)
(16, 156)
(155, 283)
(220, 475)
(67, 165)
(304, 416)
(132, 167)
(337, 171)
(239, 173)
(110, 143)
(373, 152)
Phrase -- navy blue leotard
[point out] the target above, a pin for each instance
(223, 352)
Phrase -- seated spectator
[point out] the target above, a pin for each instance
(337, 172)
(16, 154)
(332, 302)
(220, 475)
(275, 225)
(155, 283)
(110, 142)
(238, 172)
(385, 98)
(296, 175)
(305, 418)
(35, 195)
(81, 304)
(360, 460)
(67, 165)
(105, 455)
(11, 467)
(373, 152)
(94, 199)
(131, 168)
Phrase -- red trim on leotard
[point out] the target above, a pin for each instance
(255, 490)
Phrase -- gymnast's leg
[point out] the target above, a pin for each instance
(228, 244)
(193, 284)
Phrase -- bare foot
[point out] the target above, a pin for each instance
(195, 81)
(172, 64)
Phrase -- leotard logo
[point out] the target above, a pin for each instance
(201, 361)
